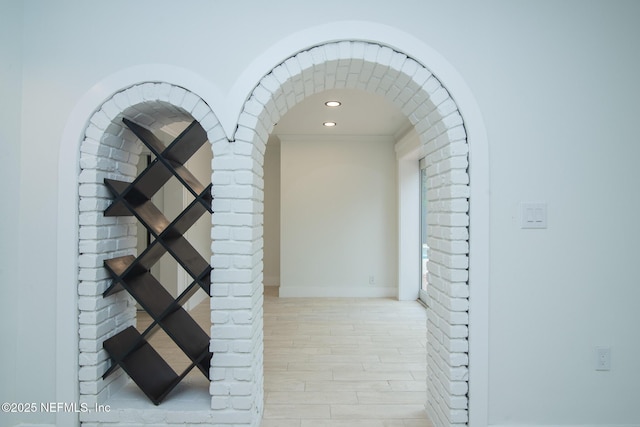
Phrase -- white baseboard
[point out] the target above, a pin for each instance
(338, 292)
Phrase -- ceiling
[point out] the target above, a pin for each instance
(361, 113)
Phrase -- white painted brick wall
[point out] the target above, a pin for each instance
(101, 238)
(428, 105)
(236, 304)
(420, 95)
(112, 151)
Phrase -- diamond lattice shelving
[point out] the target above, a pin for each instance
(130, 349)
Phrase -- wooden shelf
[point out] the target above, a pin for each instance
(142, 363)
(168, 237)
(129, 349)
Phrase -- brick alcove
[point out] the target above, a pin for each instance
(235, 395)
(110, 150)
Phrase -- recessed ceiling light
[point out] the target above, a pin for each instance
(329, 124)
(333, 103)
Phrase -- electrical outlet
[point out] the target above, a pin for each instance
(372, 280)
(603, 358)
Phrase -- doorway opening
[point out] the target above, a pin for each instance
(331, 197)
(440, 138)
(336, 324)
(424, 245)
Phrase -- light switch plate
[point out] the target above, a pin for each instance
(533, 215)
(603, 358)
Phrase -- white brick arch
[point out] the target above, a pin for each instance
(109, 150)
(238, 206)
(236, 377)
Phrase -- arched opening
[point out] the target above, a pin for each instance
(110, 150)
(236, 302)
(441, 139)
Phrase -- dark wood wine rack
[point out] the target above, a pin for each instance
(129, 348)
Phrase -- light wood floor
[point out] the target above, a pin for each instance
(336, 362)
(344, 362)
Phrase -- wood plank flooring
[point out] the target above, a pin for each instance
(344, 362)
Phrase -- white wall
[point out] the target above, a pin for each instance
(408, 154)
(557, 85)
(10, 137)
(559, 104)
(271, 231)
(338, 216)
